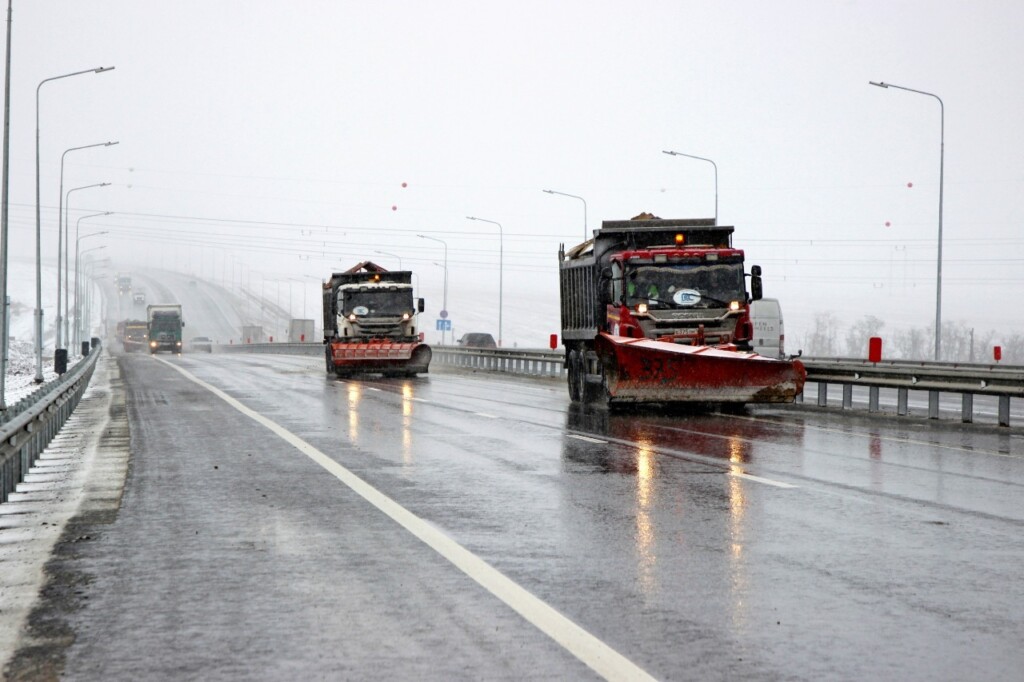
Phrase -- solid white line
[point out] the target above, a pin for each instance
(600, 657)
(484, 414)
(758, 479)
(587, 438)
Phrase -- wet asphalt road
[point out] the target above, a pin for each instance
(776, 544)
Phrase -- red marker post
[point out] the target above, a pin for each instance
(997, 353)
(875, 349)
(553, 342)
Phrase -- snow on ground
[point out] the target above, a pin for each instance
(21, 367)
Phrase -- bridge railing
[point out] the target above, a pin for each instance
(934, 378)
(28, 426)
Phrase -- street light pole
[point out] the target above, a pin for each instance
(565, 194)
(39, 241)
(942, 154)
(78, 312)
(444, 298)
(701, 158)
(501, 268)
(88, 296)
(385, 253)
(66, 201)
(4, 333)
(62, 227)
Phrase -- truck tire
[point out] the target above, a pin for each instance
(328, 360)
(576, 377)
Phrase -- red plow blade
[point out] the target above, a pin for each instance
(643, 370)
(372, 352)
(367, 357)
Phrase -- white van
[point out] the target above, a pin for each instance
(769, 333)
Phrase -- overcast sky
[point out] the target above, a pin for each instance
(283, 140)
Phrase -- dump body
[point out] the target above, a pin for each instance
(678, 285)
(164, 325)
(370, 323)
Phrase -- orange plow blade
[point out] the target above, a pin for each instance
(370, 357)
(643, 370)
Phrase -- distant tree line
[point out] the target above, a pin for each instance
(828, 337)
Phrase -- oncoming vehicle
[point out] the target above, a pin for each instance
(201, 344)
(370, 323)
(477, 340)
(165, 323)
(657, 311)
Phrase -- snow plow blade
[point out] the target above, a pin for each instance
(643, 370)
(408, 358)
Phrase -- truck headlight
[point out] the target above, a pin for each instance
(734, 306)
(405, 317)
(641, 308)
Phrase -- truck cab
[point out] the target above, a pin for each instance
(688, 296)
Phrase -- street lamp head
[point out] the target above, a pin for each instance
(109, 144)
(103, 68)
(548, 191)
(879, 84)
(670, 153)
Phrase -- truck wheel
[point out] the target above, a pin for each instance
(328, 360)
(576, 377)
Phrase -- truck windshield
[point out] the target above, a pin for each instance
(686, 285)
(377, 302)
(166, 323)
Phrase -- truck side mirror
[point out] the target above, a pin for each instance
(756, 291)
(420, 305)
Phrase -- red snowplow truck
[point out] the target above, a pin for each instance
(370, 323)
(658, 311)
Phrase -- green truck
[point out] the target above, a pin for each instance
(165, 325)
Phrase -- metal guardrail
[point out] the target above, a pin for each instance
(1001, 381)
(507, 360)
(272, 348)
(28, 426)
(546, 363)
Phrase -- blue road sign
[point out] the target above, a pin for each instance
(444, 325)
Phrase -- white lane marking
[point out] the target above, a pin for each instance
(587, 439)
(371, 388)
(759, 479)
(600, 657)
(484, 414)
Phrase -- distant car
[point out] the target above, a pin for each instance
(201, 344)
(477, 340)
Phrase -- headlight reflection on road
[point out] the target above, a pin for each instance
(355, 394)
(739, 580)
(645, 543)
(407, 402)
